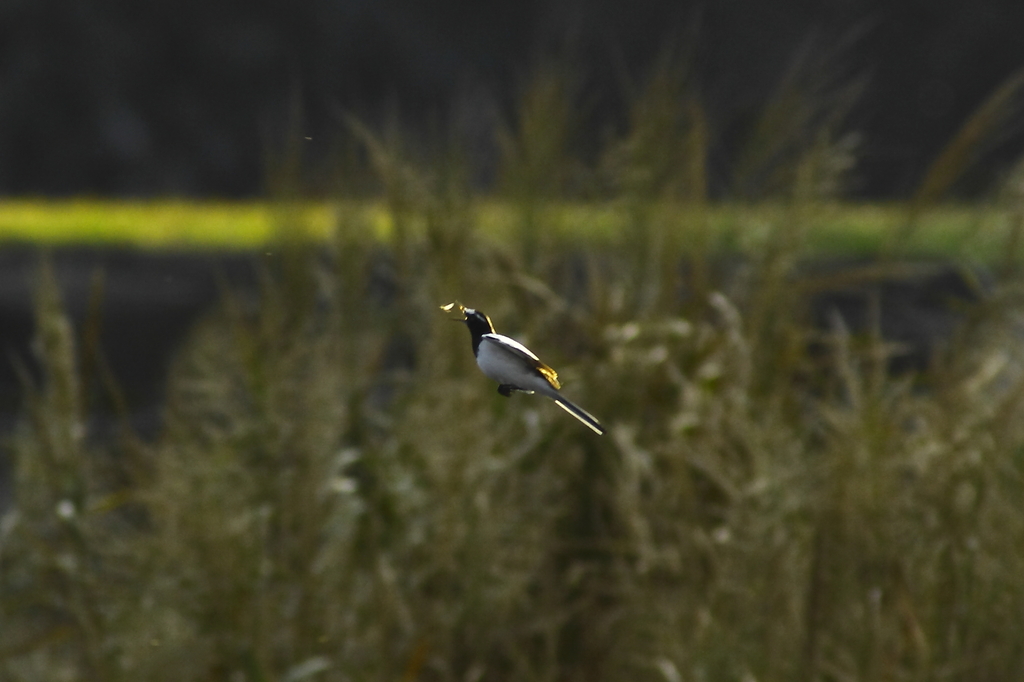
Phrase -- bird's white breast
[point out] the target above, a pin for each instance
(508, 363)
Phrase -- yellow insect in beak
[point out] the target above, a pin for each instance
(452, 306)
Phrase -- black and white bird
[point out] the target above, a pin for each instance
(514, 366)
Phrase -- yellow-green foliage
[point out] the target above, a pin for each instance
(840, 229)
(158, 224)
(337, 493)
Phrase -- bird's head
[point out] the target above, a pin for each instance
(477, 322)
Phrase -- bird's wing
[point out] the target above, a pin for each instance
(519, 349)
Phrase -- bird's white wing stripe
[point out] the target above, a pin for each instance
(512, 344)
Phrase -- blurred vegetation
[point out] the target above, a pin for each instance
(338, 494)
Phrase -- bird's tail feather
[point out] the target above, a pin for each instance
(581, 414)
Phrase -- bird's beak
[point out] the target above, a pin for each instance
(451, 306)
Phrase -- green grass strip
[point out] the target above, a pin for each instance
(162, 224)
(845, 229)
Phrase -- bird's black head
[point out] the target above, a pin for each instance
(478, 323)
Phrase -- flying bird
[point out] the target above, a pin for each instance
(514, 366)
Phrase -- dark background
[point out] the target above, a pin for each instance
(130, 98)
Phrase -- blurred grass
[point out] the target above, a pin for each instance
(338, 494)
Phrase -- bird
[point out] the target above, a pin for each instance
(514, 366)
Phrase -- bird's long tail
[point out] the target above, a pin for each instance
(581, 414)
